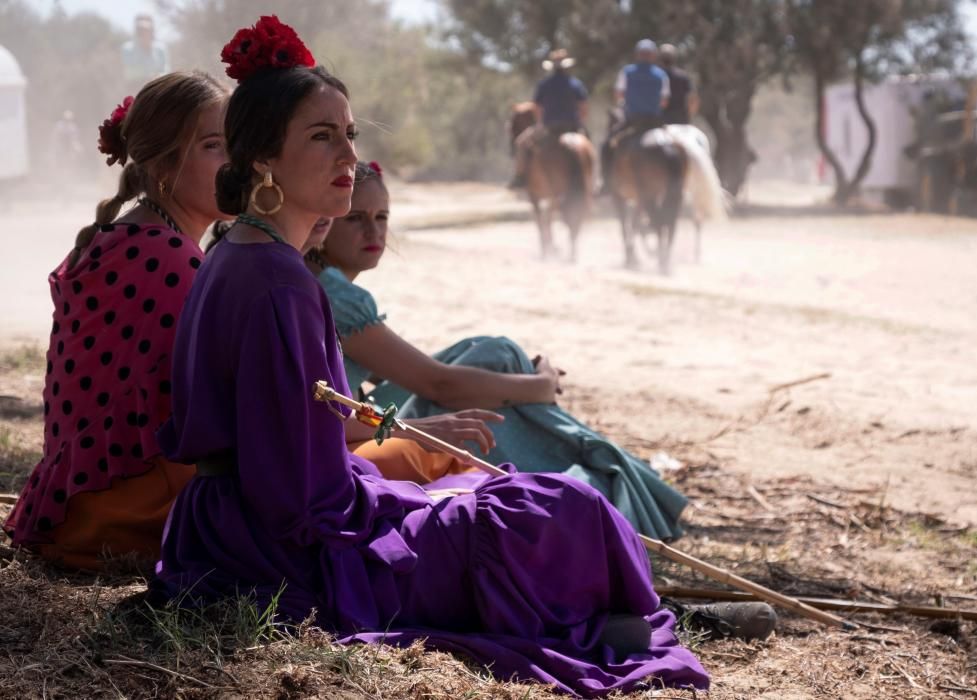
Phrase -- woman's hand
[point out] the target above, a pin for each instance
(551, 375)
(460, 427)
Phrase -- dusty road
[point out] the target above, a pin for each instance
(886, 304)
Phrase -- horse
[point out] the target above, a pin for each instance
(559, 174)
(652, 174)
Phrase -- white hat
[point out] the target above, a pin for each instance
(646, 45)
(558, 59)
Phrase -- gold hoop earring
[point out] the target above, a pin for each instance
(271, 184)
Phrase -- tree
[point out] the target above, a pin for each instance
(424, 110)
(834, 39)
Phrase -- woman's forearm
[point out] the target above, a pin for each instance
(469, 387)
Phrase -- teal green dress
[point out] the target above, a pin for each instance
(534, 437)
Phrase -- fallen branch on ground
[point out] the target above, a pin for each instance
(839, 604)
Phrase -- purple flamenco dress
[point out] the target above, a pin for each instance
(520, 575)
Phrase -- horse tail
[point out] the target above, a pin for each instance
(579, 161)
(669, 158)
(709, 199)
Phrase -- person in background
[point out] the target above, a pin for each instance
(143, 58)
(102, 488)
(683, 103)
(642, 92)
(561, 106)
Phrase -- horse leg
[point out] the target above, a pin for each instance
(546, 229)
(698, 239)
(544, 239)
(627, 232)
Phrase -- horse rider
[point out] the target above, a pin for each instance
(642, 89)
(683, 104)
(561, 106)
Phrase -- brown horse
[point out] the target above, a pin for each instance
(559, 175)
(648, 178)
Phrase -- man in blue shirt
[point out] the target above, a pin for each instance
(561, 106)
(642, 90)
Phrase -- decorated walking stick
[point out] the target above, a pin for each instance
(386, 421)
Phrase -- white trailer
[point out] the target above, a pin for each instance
(892, 104)
(13, 118)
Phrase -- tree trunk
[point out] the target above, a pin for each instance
(842, 197)
(841, 179)
(727, 118)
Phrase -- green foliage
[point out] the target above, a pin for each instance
(425, 109)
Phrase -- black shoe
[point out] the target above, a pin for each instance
(747, 621)
(626, 634)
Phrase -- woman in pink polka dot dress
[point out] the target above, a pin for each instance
(101, 488)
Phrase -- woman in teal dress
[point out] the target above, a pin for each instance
(480, 372)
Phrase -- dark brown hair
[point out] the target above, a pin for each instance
(257, 118)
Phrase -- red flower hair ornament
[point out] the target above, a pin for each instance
(110, 141)
(375, 167)
(268, 44)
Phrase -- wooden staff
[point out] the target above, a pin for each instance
(369, 415)
(839, 604)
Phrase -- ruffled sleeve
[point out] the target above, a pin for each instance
(354, 308)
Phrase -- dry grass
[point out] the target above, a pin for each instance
(81, 636)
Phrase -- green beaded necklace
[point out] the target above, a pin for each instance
(245, 218)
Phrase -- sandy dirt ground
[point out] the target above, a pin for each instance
(887, 304)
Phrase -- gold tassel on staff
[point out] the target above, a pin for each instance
(373, 417)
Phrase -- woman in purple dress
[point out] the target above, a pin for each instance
(534, 575)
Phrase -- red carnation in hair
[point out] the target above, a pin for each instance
(268, 43)
(110, 141)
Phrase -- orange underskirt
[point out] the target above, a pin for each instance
(405, 460)
(125, 520)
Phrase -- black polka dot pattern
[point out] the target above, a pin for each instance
(140, 284)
